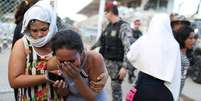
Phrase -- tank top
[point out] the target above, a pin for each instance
(74, 94)
(36, 65)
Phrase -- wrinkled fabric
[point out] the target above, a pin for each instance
(113, 68)
(42, 11)
(185, 63)
(157, 53)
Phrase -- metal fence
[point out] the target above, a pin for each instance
(7, 9)
(7, 25)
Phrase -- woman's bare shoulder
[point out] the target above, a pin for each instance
(19, 46)
(94, 56)
(95, 64)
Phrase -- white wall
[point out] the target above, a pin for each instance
(185, 7)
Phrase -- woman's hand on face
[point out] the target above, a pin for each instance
(98, 85)
(70, 70)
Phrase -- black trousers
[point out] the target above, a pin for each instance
(151, 89)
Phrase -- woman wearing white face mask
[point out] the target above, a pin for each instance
(157, 56)
(27, 64)
(28, 59)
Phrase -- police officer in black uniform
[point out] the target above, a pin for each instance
(114, 43)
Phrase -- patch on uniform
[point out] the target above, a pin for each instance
(113, 33)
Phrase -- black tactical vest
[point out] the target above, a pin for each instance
(111, 44)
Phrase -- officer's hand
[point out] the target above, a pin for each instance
(122, 73)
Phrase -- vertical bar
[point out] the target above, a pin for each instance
(100, 17)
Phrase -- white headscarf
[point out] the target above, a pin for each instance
(157, 53)
(42, 11)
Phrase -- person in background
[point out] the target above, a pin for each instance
(136, 34)
(136, 28)
(178, 21)
(79, 67)
(156, 55)
(196, 67)
(185, 38)
(114, 43)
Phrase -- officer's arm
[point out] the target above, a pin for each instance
(127, 40)
(97, 44)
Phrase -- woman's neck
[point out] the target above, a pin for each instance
(45, 50)
(183, 50)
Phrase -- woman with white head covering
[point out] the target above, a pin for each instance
(43, 12)
(27, 64)
(156, 54)
(28, 59)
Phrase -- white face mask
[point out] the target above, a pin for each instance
(41, 11)
(40, 42)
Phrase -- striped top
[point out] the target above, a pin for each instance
(184, 65)
(184, 69)
(36, 65)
